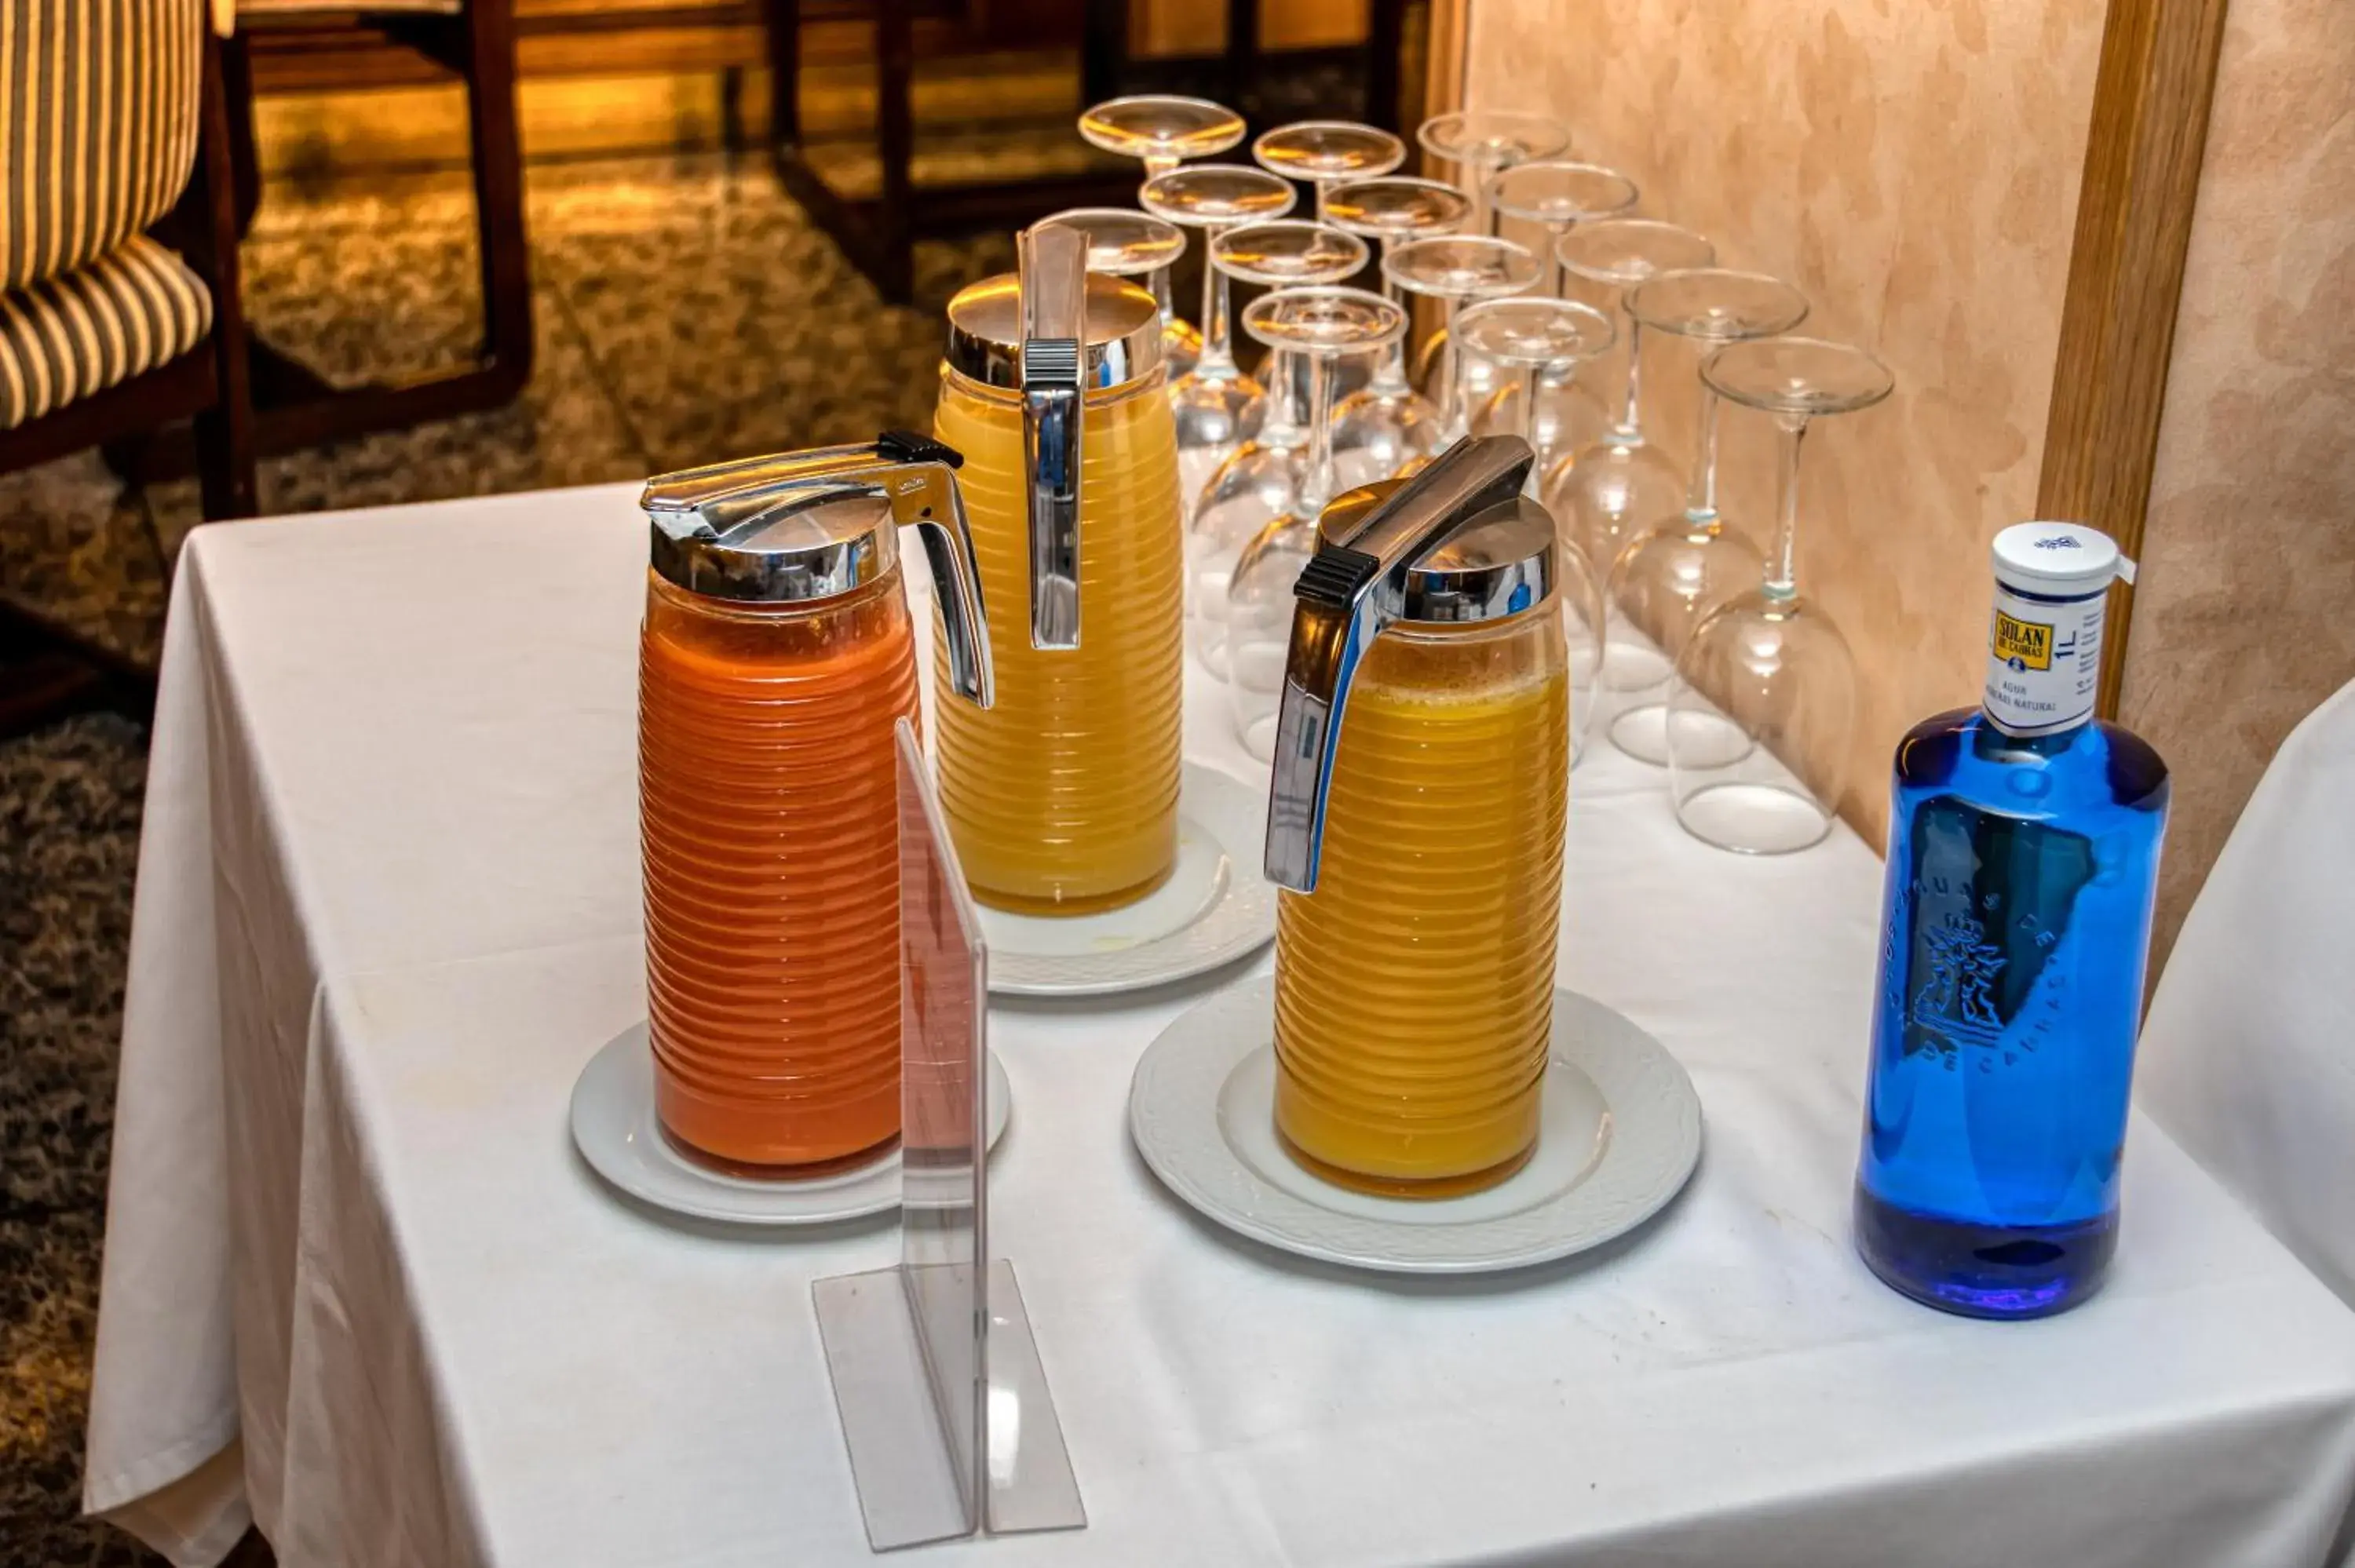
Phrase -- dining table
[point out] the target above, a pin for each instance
(360, 1290)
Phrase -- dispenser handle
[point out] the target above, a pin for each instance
(1053, 260)
(914, 474)
(1350, 589)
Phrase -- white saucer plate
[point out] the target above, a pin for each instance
(1217, 907)
(1620, 1134)
(614, 1126)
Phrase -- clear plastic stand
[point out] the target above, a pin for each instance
(943, 1403)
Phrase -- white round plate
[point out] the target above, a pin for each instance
(1217, 907)
(614, 1128)
(1620, 1133)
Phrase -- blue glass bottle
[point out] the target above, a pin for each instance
(2023, 856)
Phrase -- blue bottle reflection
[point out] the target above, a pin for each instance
(2021, 876)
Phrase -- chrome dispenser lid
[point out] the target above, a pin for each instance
(1123, 332)
(1498, 561)
(1458, 542)
(794, 549)
(802, 527)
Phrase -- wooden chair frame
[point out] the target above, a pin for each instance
(294, 406)
(60, 669)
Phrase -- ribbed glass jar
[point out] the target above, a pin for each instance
(767, 805)
(1062, 798)
(1414, 987)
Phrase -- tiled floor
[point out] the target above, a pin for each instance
(685, 312)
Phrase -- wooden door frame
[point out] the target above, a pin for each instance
(2134, 207)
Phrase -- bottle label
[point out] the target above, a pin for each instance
(2044, 660)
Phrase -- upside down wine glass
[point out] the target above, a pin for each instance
(1326, 153)
(1162, 131)
(1534, 337)
(1764, 697)
(1386, 424)
(1555, 197)
(1128, 244)
(1683, 566)
(1323, 153)
(1264, 476)
(1607, 488)
(1459, 269)
(1321, 325)
(1216, 406)
(1478, 142)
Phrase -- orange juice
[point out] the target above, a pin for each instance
(1062, 798)
(1414, 987)
(769, 811)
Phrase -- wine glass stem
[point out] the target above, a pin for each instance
(1484, 216)
(1159, 164)
(1781, 584)
(1454, 397)
(1282, 373)
(1218, 358)
(1559, 280)
(1700, 501)
(1160, 276)
(1631, 419)
(1317, 484)
(1390, 375)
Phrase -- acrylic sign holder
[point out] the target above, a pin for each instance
(943, 1403)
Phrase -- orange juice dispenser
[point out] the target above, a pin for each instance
(1062, 798)
(1415, 822)
(775, 658)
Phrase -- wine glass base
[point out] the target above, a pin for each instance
(1634, 663)
(1642, 733)
(1755, 819)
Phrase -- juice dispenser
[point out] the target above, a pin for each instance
(1418, 844)
(1062, 798)
(774, 659)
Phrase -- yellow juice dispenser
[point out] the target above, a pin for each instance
(1419, 845)
(1062, 798)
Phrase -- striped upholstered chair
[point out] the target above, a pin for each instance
(119, 308)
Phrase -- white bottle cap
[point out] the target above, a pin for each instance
(2061, 560)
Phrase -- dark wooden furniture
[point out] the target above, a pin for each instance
(295, 407)
(51, 668)
(878, 233)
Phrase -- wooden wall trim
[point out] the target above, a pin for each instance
(2149, 133)
(1451, 21)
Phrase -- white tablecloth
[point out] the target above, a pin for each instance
(387, 907)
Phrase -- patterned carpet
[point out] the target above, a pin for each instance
(685, 312)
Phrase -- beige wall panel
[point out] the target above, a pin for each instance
(1912, 166)
(2244, 617)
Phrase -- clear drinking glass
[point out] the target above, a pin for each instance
(1320, 325)
(1384, 425)
(1162, 131)
(1478, 142)
(1607, 488)
(1529, 338)
(1264, 476)
(1323, 153)
(1683, 566)
(1764, 695)
(1128, 244)
(1459, 269)
(1218, 407)
(1555, 197)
